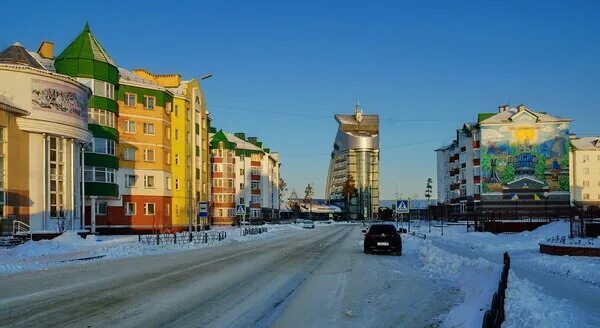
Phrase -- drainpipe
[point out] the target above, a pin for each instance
(82, 152)
(72, 177)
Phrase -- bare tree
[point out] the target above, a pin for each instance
(308, 197)
(428, 191)
(347, 191)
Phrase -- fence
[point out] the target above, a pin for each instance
(494, 317)
(199, 237)
(254, 231)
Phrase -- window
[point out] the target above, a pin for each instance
(176, 134)
(130, 180)
(129, 209)
(149, 128)
(586, 183)
(57, 176)
(130, 99)
(168, 129)
(255, 185)
(241, 186)
(176, 110)
(168, 182)
(586, 170)
(129, 154)
(129, 127)
(149, 208)
(241, 171)
(102, 117)
(168, 156)
(101, 208)
(99, 174)
(176, 159)
(101, 146)
(148, 181)
(148, 155)
(103, 89)
(586, 158)
(255, 199)
(149, 102)
(176, 184)
(168, 209)
(586, 196)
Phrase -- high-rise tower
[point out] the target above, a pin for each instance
(353, 178)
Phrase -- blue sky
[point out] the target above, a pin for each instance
(281, 70)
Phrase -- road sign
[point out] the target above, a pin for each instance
(203, 209)
(240, 209)
(402, 206)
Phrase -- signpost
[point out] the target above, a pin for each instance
(202, 212)
(240, 209)
(402, 207)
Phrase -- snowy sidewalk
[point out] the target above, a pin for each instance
(69, 248)
(544, 290)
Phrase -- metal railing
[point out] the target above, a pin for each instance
(198, 237)
(21, 228)
(494, 317)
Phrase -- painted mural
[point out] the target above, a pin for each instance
(525, 148)
(59, 98)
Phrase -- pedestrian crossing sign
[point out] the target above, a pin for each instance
(402, 206)
(240, 209)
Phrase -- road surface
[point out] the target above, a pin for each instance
(317, 278)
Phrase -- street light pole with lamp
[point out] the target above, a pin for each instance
(191, 214)
(546, 196)
(515, 198)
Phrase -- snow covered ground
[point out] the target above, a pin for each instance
(67, 248)
(543, 290)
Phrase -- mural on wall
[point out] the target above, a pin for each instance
(59, 98)
(539, 151)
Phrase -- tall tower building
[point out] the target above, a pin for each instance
(353, 178)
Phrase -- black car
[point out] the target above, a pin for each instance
(382, 237)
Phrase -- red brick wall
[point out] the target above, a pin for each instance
(159, 222)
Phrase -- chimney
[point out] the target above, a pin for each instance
(46, 50)
(503, 108)
(521, 108)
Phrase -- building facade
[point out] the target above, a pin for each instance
(513, 160)
(585, 172)
(243, 172)
(355, 164)
(43, 130)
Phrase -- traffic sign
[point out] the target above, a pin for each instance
(402, 206)
(203, 209)
(240, 209)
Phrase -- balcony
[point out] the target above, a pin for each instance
(476, 144)
(476, 162)
(477, 179)
(255, 177)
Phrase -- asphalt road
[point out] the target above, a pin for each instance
(316, 278)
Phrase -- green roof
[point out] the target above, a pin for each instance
(484, 116)
(221, 137)
(85, 57)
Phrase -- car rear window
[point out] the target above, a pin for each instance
(382, 228)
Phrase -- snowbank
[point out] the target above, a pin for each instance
(526, 305)
(582, 268)
(476, 278)
(66, 243)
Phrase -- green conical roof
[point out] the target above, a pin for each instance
(85, 57)
(86, 46)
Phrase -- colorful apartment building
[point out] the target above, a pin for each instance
(86, 60)
(43, 128)
(513, 160)
(243, 172)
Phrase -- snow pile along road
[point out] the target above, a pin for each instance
(477, 280)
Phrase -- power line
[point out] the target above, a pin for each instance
(258, 110)
(386, 147)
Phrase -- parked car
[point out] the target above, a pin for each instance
(382, 237)
(307, 224)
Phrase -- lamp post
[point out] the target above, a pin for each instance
(190, 151)
(515, 198)
(546, 196)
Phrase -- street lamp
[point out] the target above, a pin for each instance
(515, 198)
(546, 196)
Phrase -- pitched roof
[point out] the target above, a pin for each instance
(85, 46)
(586, 143)
(508, 115)
(16, 54)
